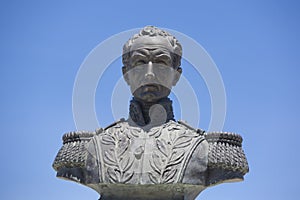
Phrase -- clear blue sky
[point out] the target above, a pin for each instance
(255, 45)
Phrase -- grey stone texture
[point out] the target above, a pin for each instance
(151, 155)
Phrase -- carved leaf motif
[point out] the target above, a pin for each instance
(172, 137)
(112, 175)
(181, 131)
(135, 132)
(126, 163)
(122, 129)
(123, 146)
(127, 176)
(162, 146)
(118, 159)
(153, 178)
(169, 176)
(173, 127)
(109, 157)
(170, 153)
(182, 141)
(154, 167)
(157, 160)
(156, 132)
(191, 134)
(117, 126)
(182, 145)
(126, 133)
(108, 140)
(176, 157)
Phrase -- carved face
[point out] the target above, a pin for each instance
(151, 74)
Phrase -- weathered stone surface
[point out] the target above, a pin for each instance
(151, 155)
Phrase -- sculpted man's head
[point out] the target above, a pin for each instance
(152, 60)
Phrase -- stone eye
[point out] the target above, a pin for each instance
(140, 62)
(162, 62)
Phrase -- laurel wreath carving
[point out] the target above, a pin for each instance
(169, 154)
(156, 131)
(117, 158)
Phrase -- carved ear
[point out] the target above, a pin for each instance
(125, 74)
(177, 75)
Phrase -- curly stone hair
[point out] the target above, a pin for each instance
(153, 31)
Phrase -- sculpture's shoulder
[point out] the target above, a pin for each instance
(72, 156)
(72, 153)
(187, 126)
(226, 158)
(76, 158)
(218, 158)
(118, 123)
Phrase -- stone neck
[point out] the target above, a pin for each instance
(139, 111)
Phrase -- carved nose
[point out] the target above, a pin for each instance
(149, 73)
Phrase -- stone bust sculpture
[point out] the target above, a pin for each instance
(151, 155)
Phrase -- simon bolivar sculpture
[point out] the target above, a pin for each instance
(150, 155)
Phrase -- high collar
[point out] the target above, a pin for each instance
(139, 111)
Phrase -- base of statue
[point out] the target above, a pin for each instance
(150, 192)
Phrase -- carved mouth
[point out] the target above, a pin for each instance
(150, 88)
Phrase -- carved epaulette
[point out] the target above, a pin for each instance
(225, 152)
(224, 138)
(115, 123)
(73, 152)
(184, 123)
(77, 136)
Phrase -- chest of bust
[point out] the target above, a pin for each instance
(132, 155)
